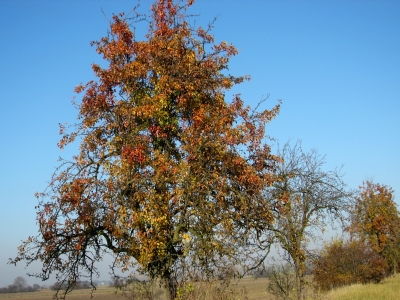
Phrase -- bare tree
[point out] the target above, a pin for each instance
(281, 281)
(20, 283)
(303, 201)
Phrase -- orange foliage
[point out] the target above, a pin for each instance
(376, 220)
(167, 169)
(343, 263)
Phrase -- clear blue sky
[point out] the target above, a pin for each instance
(335, 65)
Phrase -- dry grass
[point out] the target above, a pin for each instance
(256, 288)
(388, 289)
(102, 293)
(247, 288)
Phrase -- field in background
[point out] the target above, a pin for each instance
(256, 289)
(102, 293)
(389, 289)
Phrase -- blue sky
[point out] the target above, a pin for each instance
(334, 64)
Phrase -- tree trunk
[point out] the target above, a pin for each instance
(171, 285)
(300, 281)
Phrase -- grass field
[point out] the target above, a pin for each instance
(256, 289)
(102, 293)
(388, 289)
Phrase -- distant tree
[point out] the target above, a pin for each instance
(20, 283)
(118, 281)
(375, 219)
(12, 289)
(27, 289)
(303, 200)
(36, 287)
(59, 285)
(168, 172)
(82, 284)
(342, 263)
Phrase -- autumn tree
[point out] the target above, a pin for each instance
(303, 201)
(341, 263)
(375, 219)
(168, 172)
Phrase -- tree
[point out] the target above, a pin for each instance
(281, 281)
(168, 173)
(36, 287)
(375, 219)
(20, 283)
(302, 200)
(342, 263)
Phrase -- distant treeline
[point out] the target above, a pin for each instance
(78, 285)
(20, 285)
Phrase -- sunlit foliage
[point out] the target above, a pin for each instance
(169, 174)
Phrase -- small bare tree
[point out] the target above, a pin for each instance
(282, 281)
(304, 199)
(20, 283)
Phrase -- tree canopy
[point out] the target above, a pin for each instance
(341, 263)
(302, 201)
(168, 172)
(375, 219)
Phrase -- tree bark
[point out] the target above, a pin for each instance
(171, 285)
(300, 282)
